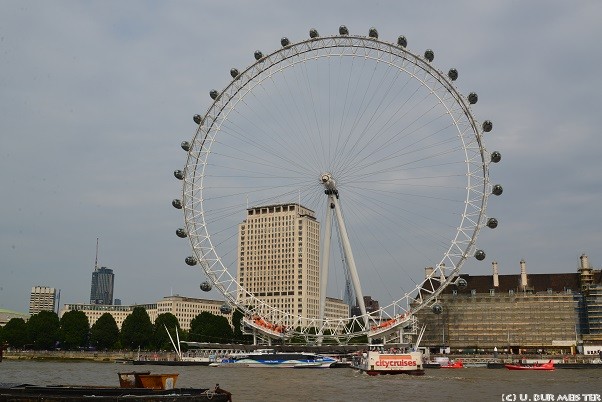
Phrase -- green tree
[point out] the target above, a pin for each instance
(104, 334)
(137, 330)
(15, 333)
(75, 329)
(237, 317)
(43, 330)
(161, 339)
(207, 327)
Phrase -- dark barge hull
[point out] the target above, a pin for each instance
(26, 393)
(168, 363)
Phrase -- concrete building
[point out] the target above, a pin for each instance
(335, 308)
(7, 315)
(101, 289)
(183, 308)
(95, 311)
(279, 260)
(42, 298)
(187, 308)
(513, 312)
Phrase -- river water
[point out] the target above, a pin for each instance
(341, 384)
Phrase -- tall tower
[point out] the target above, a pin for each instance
(103, 279)
(101, 291)
(42, 298)
(278, 259)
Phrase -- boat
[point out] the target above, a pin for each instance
(199, 354)
(455, 365)
(134, 386)
(549, 366)
(272, 358)
(378, 360)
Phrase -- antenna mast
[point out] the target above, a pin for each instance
(96, 260)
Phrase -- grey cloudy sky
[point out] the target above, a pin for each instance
(97, 96)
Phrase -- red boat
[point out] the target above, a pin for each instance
(549, 366)
(455, 365)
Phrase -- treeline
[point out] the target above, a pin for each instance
(45, 331)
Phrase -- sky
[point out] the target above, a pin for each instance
(97, 96)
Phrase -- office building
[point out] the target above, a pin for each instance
(101, 291)
(94, 311)
(520, 312)
(183, 308)
(42, 298)
(278, 260)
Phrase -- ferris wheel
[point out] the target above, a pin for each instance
(368, 141)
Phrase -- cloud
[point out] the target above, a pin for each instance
(96, 98)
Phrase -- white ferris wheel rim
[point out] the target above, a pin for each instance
(398, 57)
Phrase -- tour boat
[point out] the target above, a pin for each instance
(272, 358)
(549, 366)
(377, 361)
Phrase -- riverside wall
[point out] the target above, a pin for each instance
(96, 356)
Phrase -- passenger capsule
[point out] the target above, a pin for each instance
(492, 223)
(429, 55)
(472, 98)
(285, 42)
(197, 118)
(452, 74)
(205, 286)
(234, 72)
(496, 157)
(343, 30)
(213, 93)
(437, 308)
(258, 55)
(185, 146)
(497, 190)
(225, 309)
(373, 33)
(313, 33)
(479, 255)
(402, 41)
(181, 233)
(461, 283)
(487, 126)
(179, 174)
(191, 261)
(177, 204)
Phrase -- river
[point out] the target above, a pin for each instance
(342, 384)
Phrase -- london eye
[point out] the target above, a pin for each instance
(369, 141)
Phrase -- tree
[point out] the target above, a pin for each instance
(104, 333)
(137, 330)
(43, 330)
(161, 339)
(207, 327)
(15, 333)
(75, 329)
(237, 317)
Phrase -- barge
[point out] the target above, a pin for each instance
(133, 387)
